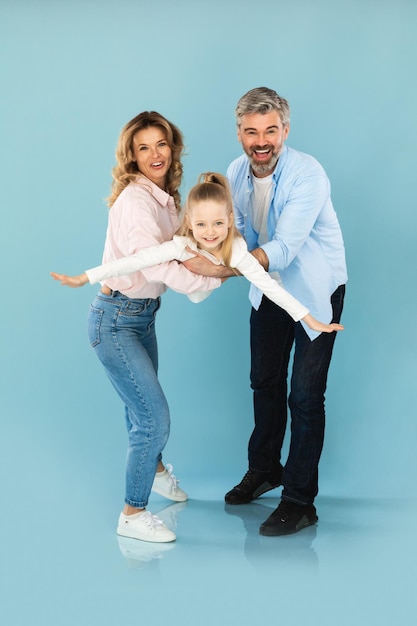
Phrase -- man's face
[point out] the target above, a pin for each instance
(262, 137)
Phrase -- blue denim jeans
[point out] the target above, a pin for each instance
(121, 331)
(273, 333)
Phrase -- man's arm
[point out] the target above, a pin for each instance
(296, 220)
(204, 267)
(261, 256)
(201, 265)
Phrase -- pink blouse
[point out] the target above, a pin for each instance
(144, 215)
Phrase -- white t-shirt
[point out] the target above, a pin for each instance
(259, 209)
(261, 200)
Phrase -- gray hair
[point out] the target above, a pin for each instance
(262, 100)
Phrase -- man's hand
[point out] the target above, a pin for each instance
(199, 264)
(261, 257)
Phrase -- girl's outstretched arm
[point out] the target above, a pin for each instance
(250, 267)
(71, 281)
(147, 257)
(162, 253)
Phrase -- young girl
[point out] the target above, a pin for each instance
(207, 229)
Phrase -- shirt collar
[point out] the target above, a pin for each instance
(193, 246)
(161, 196)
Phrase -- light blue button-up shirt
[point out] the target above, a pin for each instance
(305, 241)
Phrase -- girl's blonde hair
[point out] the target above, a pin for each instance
(212, 186)
(126, 169)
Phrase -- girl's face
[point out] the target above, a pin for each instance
(152, 153)
(210, 222)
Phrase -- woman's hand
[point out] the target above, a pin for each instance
(71, 281)
(319, 326)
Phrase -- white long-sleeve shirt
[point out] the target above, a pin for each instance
(175, 249)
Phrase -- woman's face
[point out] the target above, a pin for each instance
(152, 154)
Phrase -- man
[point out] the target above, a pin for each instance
(284, 211)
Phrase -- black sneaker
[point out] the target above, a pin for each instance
(253, 485)
(289, 518)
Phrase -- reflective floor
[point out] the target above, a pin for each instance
(68, 567)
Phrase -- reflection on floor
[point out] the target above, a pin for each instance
(356, 567)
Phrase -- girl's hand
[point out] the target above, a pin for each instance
(319, 326)
(71, 281)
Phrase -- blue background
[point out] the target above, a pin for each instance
(72, 74)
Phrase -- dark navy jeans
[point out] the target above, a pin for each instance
(273, 333)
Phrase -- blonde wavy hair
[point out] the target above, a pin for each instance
(126, 170)
(215, 187)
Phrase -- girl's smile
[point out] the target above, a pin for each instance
(210, 222)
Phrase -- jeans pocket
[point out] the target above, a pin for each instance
(93, 326)
(131, 308)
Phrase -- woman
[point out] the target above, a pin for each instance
(144, 206)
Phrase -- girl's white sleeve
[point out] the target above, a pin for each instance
(199, 296)
(147, 257)
(247, 265)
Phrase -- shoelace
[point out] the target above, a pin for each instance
(172, 478)
(152, 521)
(248, 478)
(284, 509)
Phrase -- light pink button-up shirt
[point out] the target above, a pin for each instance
(144, 215)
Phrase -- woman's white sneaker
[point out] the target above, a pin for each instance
(144, 526)
(165, 484)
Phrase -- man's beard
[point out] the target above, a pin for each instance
(263, 168)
